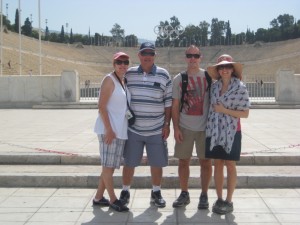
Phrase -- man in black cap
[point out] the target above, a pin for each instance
(151, 99)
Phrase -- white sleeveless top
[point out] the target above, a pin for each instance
(116, 108)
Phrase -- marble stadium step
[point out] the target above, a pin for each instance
(93, 105)
(66, 105)
(86, 176)
(93, 159)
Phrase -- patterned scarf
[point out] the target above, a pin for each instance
(222, 127)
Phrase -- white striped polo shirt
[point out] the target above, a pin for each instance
(150, 94)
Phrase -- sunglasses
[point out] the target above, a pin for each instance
(147, 53)
(120, 62)
(225, 67)
(196, 56)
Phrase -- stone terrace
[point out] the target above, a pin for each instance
(93, 61)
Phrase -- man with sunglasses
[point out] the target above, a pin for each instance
(189, 120)
(151, 100)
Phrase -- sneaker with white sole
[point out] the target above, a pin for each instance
(157, 199)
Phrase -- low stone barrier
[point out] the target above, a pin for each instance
(23, 91)
(287, 90)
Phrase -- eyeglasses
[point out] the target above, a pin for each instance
(196, 56)
(147, 53)
(225, 67)
(120, 62)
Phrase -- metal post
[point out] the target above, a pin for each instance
(20, 42)
(40, 41)
(1, 33)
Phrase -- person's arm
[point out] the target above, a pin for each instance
(168, 108)
(175, 120)
(235, 113)
(175, 113)
(166, 127)
(107, 87)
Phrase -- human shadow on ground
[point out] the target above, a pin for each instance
(105, 215)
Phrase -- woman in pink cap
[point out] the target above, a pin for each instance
(229, 103)
(111, 128)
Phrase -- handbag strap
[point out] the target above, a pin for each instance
(122, 87)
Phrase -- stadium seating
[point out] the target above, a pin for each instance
(92, 62)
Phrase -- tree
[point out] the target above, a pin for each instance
(62, 34)
(250, 37)
(273, 34)
(174, 31)
(296, 30)
(47, 33)
(35, 34)
(163, 38)
(6, 22)
(77, 38)
(217, 31)
(285, 24)
(240, 38)
(131, 41)
(26, 29)
(191, 36)
(204, 26)
(71, 37)
(228, 33)
(274, 23)
(53, 37)
(261, 34)
(117, 34)
(16, 25)
(86, 40)
(169, 33)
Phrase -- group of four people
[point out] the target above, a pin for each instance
(205, 110)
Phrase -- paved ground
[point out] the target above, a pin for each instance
(73, 207)
(27, 131)
(267, 132)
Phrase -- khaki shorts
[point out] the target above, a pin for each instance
(185, 149)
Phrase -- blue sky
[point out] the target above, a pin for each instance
(139, 17)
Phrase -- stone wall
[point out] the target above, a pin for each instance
(26, 91)
(287, 90)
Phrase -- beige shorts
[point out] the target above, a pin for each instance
(184, 150)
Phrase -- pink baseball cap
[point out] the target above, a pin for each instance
(120, 54)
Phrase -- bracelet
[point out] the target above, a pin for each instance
(166, 124)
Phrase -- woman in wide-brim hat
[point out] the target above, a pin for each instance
(229, 102)
(225, 60)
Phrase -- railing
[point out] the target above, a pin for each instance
(261, 89)
(89, 91)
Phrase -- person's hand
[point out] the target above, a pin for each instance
(109, 136)
(165, 132)
(219, 108)
(178, 136)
